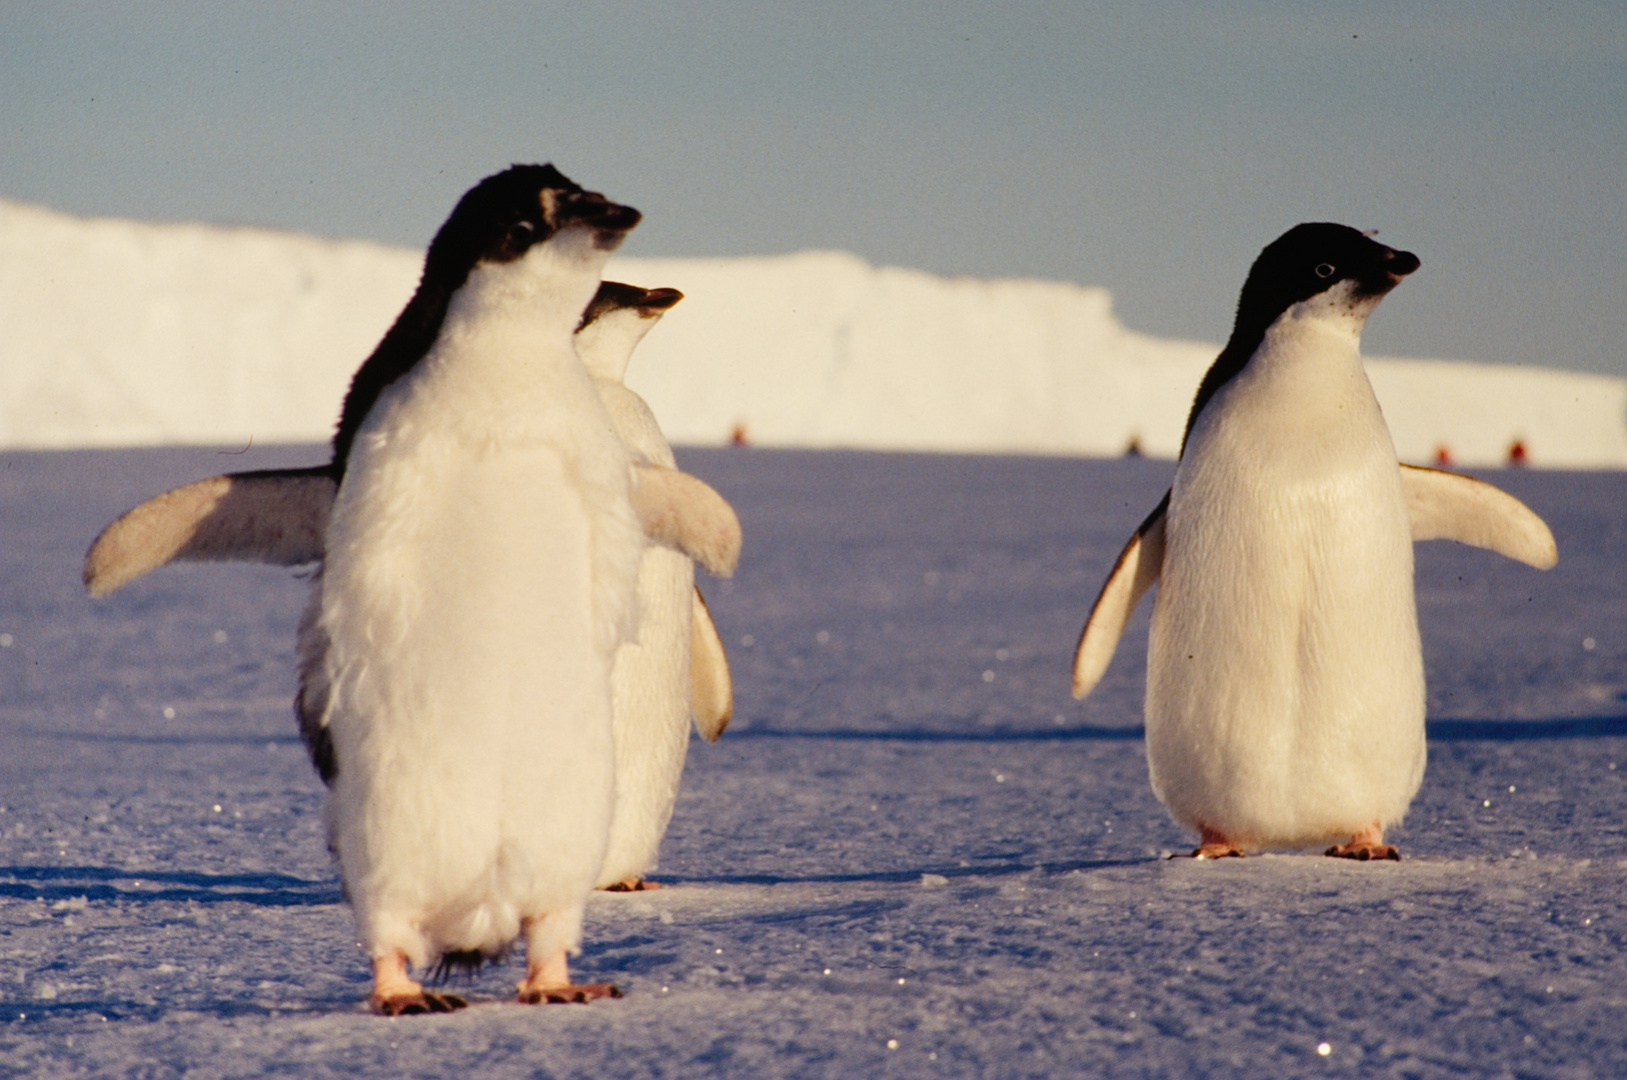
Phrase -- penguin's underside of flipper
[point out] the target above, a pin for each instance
(1440, 505)
(280, 516)
(276, 516)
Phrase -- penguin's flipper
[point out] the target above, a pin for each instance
(274, 516)
(711, 691)
(1447, 506)
(1137, 570)
(684, 513)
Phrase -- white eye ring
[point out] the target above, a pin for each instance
(1325, 270)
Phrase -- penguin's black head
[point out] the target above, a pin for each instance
(1313, 258)
(615, 296)
(1349, 269)
(497, 221)
(502, 217)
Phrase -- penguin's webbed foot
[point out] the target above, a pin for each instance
(565, 995)
(1364, 852)
(633, 884)
(1366, 846)
(421, 1003)
(395, 994)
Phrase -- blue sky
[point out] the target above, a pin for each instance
(1149, 150)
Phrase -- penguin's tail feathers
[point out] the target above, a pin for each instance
(463, 965)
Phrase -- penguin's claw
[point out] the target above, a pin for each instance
(1362, 851)
(633, 884)
(568, 995)
(425, 1001)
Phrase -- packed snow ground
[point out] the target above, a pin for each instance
(913, 854)
(120, 333)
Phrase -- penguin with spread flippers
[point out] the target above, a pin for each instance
(480, 569)
(480, 533)
(1285, 684)
(676, 667)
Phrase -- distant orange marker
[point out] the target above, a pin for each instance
(1517, 454)
(737, 437)
(1443, 457)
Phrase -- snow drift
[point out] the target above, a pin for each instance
(121, 333)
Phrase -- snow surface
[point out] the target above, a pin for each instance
(120, 333)
(907, 793)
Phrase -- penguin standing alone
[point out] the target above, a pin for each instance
(1285, 685)
(676, 667)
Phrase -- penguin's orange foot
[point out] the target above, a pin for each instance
(1364, 852)
(394, 994)
(424, 1001)
(633, 884)
(565, 995)
(1212, 845)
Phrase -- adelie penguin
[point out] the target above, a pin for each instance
(1285, 685)
(480, 529)
(676, 667)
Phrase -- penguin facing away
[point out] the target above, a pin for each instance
(1285, 686)
(676, 665)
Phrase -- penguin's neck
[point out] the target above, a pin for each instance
(606, 345)
(1308, 342)
(536, 299)
(504, 366)
(1302, 394)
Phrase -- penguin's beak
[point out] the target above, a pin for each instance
(658, 300)
(1398, 264)
(1391, 267)
(609, 221)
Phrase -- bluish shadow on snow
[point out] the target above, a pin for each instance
(196, 738)
(912, 876)
(1591, 727)
(99, 883)
(1588, 727)
(1075, 734)
(42, 1012)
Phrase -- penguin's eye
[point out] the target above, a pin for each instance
(1324, 270)
(521, 233)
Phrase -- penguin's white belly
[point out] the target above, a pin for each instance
(471, 712)
(1285, 693)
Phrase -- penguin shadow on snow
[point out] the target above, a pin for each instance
(1566, 727)
(987, 868)
(207, 738)
(97, 884)
(934, 735)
